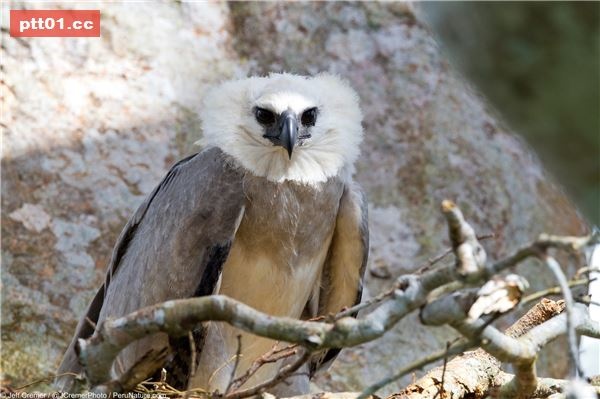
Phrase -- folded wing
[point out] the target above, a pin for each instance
(346, 262)
(173, 247)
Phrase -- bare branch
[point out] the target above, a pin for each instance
(179, 316)
(410, 292)
(193, 356)
(272, 356)
(282, 375)
(568, 298)
(238, 354)
(386, 294)
(457, 348)
(470, 256)
(475, 373)
(524, 349)
(552, 291)
(543, 243)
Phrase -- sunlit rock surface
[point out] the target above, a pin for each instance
(93, 124)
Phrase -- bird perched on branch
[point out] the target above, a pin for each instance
(267, 214)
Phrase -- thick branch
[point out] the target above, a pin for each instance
(522, 351)
(455, 349)
(476, 373)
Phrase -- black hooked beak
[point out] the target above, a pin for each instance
(288, 131)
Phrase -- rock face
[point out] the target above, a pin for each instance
(93, 124)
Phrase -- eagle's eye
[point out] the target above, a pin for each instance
(309, 117)
(264, 116)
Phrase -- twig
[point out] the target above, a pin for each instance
(568, 297)
(282, 375)
(372, 301)
(192, 371)
(587, 301)
(386, 294)
(238, 353)
(272, 356)
(45, 379)
(458, 348)
(165, 390)
(441, 390)
(435, 259)
(221, 367)
(543, 243)
(586, 270)
(551, 291)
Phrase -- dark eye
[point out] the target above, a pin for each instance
(264, 116)
(309, 117)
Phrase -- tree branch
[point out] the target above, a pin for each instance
(475, 373)
(410, 292)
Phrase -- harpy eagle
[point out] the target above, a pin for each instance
(267, 214)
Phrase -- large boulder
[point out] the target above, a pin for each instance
(93, 124)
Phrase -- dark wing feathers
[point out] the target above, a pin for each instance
(344, 268)
(173, 247)
(130, 228)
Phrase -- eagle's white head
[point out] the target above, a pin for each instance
(285, 127)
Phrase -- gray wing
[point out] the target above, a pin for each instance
(344, 269)
(173, 247)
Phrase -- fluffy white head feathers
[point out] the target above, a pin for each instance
(243, 118)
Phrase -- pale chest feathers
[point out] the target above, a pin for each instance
(281, 244)
(274, 265)
(288, 221)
